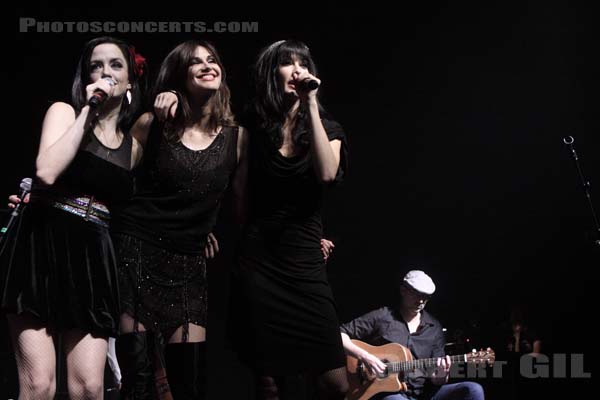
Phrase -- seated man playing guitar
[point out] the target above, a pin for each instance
(411, 345)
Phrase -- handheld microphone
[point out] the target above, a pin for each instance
(308, 85)
(100, 96)
(25, 189)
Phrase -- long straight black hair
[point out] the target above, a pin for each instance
(268, 108)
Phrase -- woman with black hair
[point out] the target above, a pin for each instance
(58, 273)
(283, 309)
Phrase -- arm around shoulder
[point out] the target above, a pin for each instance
(139, 132)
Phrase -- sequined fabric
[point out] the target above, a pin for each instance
(179, 192)
(161, 234)
(161, 289)
(85, 207)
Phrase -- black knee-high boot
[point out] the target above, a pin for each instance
(186, 370)
(134, 353)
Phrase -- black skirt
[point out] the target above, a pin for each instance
(160, 288)
(283, 315)
(61, 269)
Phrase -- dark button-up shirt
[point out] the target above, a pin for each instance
(385, 325)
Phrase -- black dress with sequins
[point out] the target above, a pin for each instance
(284, 318)
(59, 263)
(160, 236)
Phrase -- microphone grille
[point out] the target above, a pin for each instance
(25, 184)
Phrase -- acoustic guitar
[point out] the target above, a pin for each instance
(398, 359)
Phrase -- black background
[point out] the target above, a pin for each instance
(455, 115)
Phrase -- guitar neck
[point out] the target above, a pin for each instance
(401, 366)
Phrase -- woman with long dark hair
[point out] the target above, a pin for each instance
(283, 309)
(163, 235)
(58, 272)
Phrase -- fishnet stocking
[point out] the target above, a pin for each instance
(86, 358)
(35, 356)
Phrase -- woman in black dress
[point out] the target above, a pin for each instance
(58, 273)
(283, 308)
(163, 233)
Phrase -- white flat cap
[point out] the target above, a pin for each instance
(419, 281)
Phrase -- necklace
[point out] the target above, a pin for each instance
(108, 146)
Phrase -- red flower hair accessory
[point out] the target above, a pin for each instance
(139, 64)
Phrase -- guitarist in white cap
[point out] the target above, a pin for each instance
(411, 326)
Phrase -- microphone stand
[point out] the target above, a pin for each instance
(569, 140)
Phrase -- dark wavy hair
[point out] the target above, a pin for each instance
(268, 108)
(129, 111)
(173, 76)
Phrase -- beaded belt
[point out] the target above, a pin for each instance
(85, 207)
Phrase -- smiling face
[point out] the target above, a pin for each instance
(108, 61)
(204, 73)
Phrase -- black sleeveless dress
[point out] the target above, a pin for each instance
(160, 236)
(284, 316)
(59, 265)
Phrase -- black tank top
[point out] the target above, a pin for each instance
(179, 191)
(97, 171)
